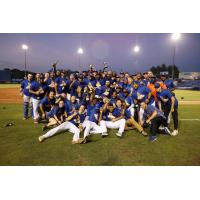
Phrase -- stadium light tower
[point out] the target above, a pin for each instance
(80, 52)
(175, 37)
(25, 48)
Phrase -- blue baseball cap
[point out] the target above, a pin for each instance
(157, 85)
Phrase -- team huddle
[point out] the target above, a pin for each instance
(92, 102)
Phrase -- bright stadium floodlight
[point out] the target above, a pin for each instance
(176, 36)
(136, 49)
(80, 51)
(24, 47)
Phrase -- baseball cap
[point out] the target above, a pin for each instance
(157, 85)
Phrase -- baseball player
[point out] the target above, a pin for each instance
(71, 124)
(170, 105)
(36, 91)
(113, 118)
(24, 91)
(155, 118)
(56, 116)
(46, 104)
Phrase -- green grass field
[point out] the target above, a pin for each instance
(188, 95)
(9, 85)
(19, 144)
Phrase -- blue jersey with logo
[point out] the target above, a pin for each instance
(78, 119)
(71, 106)
(166, 94)
(149, 111)
(93, 115)
(60, 87)
(143, 90)
(47, 103)
(25, 85)
(59, 111)
(35, 86)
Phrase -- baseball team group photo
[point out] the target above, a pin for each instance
(91, 99)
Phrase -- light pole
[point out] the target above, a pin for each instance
(80, 52)
(175, 37)
(25, 48)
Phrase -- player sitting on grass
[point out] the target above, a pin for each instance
(91, 124)
(131, 123)
(56, 116)
(73, 124)
(155, 118)
(113, 118)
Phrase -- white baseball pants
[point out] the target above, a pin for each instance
(35, 108)
(91, 127)
(66, 126)
(120, 124)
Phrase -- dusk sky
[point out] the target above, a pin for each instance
(116, 49)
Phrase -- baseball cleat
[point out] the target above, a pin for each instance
(174, 133)
(152, 138)
(161, 128)
(144, 133)
(119, 134)
(104, 134)
(167, 131)
(41, 138)
(24, 118)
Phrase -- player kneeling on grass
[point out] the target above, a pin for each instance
(71, 124)
(56, 116)
(155, 118)
(113, 118)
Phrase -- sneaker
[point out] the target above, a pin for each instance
(167, 131)
(144, 133)
(104, 134)
(41, 138)
(174, 133)
(161, 128)
(24, 118)
(152, 138)
(119, 134)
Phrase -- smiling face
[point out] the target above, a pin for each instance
(81, 109)
(61, 104)
(143, 105)
(30, 77)
(51, 95)
(73, 99)
(118, 103)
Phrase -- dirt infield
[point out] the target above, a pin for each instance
(11, 95)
